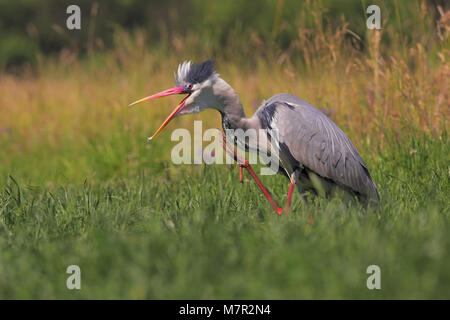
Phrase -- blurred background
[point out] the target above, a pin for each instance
(64, 92)
(29, 29)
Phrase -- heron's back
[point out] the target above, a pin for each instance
(310, 139)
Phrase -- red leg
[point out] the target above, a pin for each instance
(243, 163)
(249, 168)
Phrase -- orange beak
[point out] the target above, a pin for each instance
(175, 90)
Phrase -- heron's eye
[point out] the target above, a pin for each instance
(188, 87)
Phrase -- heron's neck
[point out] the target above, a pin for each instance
(231, 109)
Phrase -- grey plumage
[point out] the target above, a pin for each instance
(310, 141)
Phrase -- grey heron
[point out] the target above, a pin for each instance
(314, 153)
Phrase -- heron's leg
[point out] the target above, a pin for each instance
(290, 191)
(249, 168)
(243, 163)
(231, 150)
(277, 209)
(302, 193)
(266, 192)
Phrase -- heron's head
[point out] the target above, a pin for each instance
(199, 82)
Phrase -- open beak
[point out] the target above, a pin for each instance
(175, 90)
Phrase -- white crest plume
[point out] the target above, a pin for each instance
(182, 73)
(192, 73)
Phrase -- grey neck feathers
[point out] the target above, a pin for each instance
(233, 115)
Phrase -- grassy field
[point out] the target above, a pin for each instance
(203, 235)
(80, 185)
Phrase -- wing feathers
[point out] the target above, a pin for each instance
(317, 142)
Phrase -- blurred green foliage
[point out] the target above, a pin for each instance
(29, 28)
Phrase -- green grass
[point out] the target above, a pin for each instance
(198, 233)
